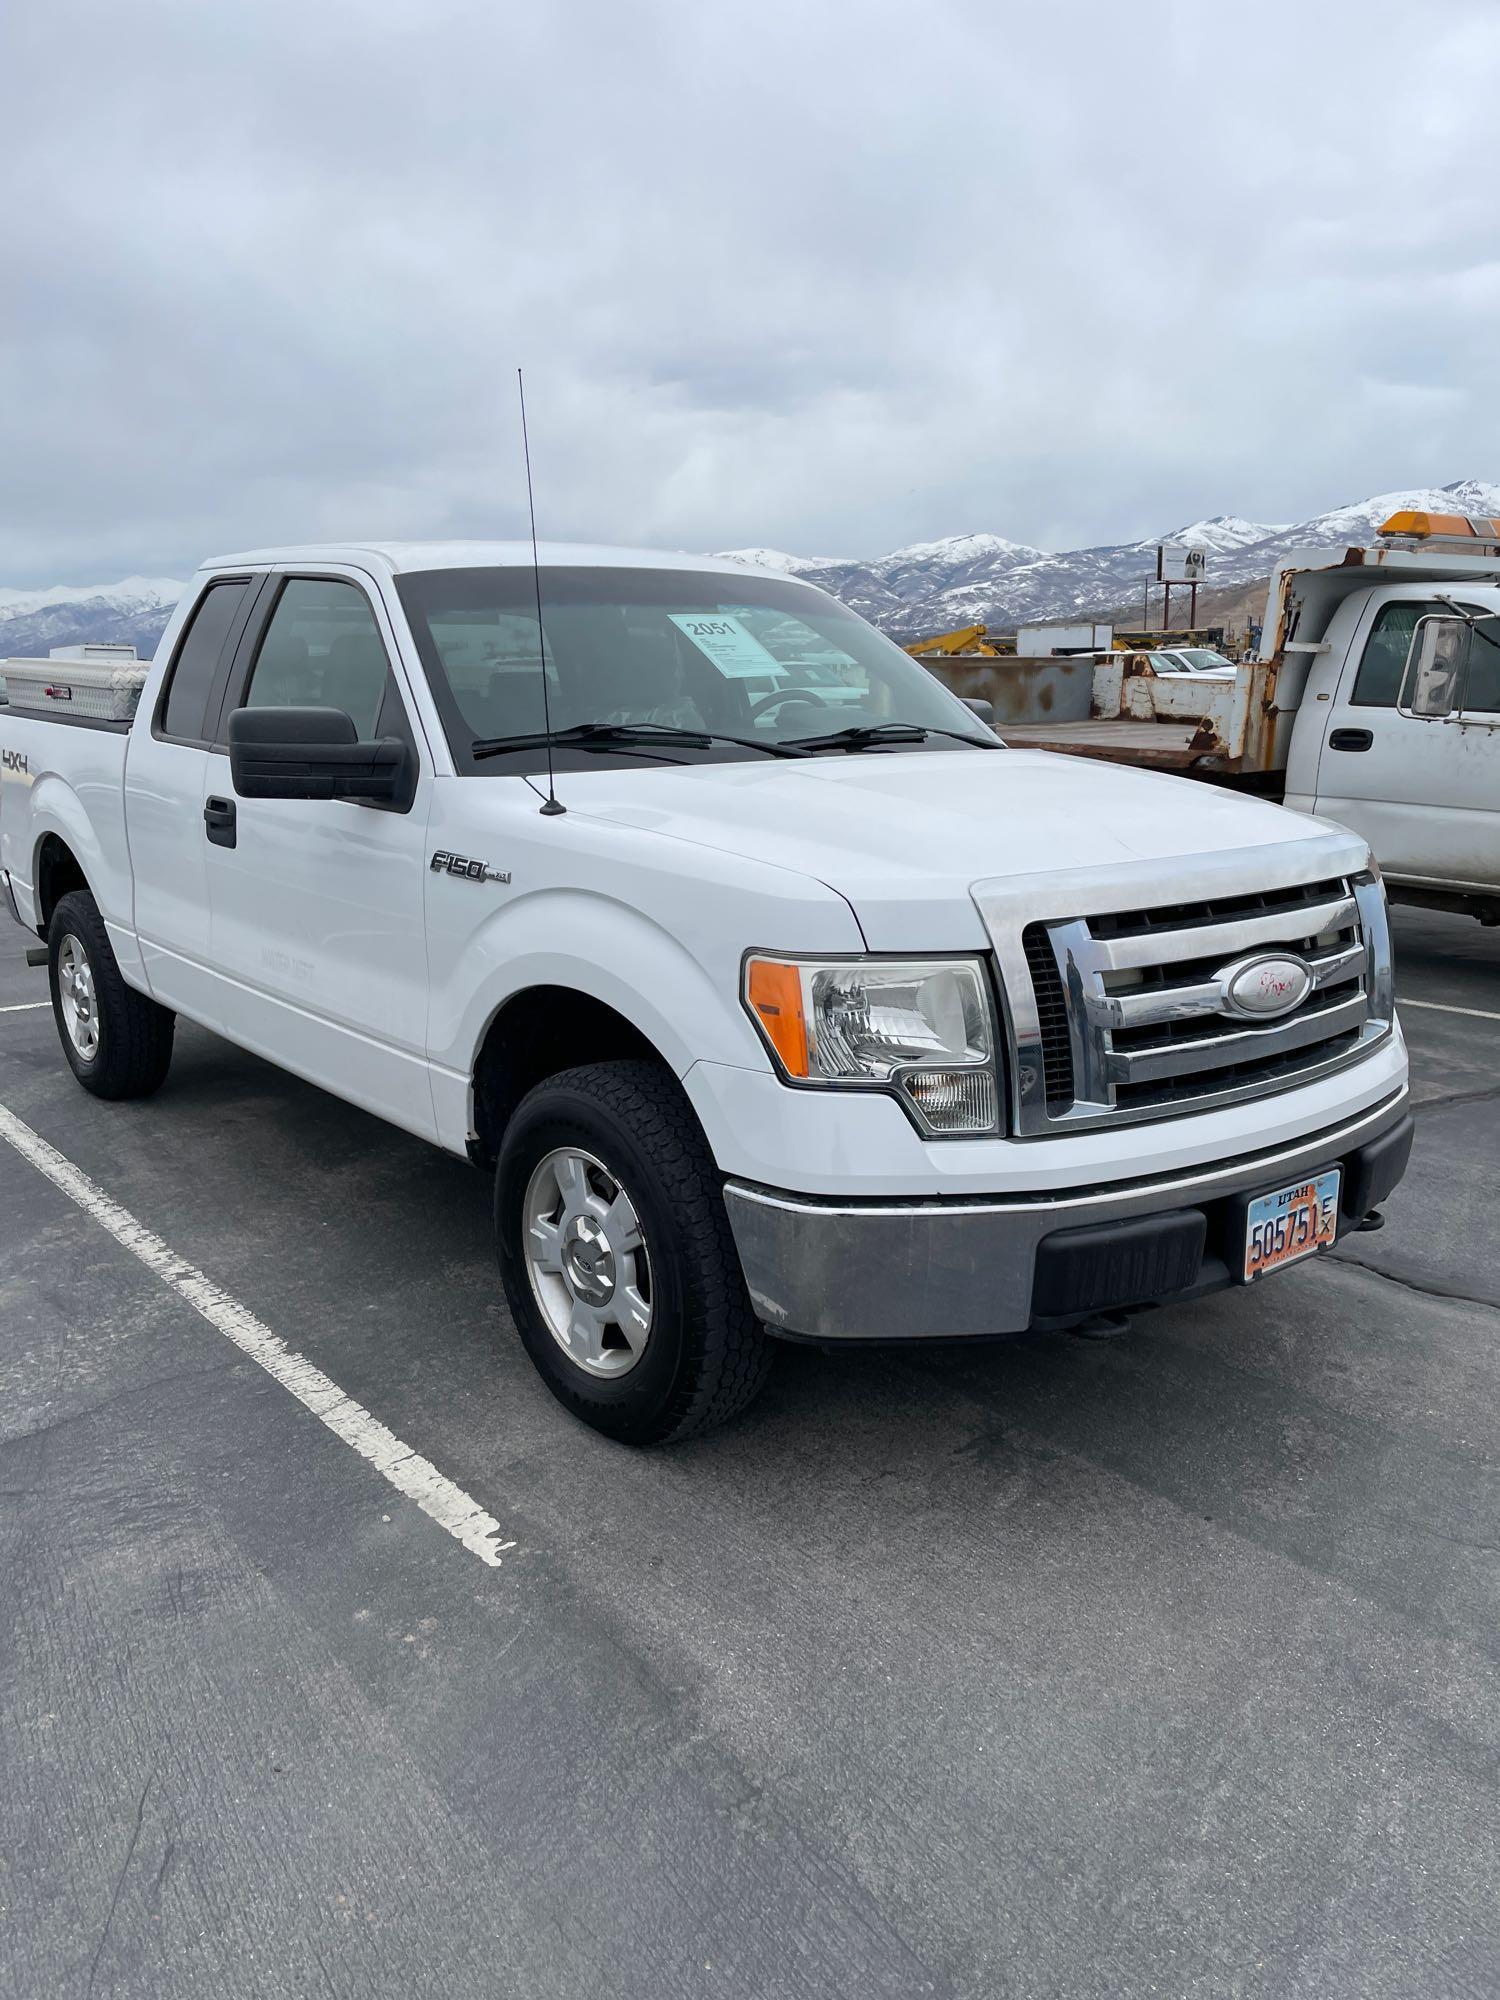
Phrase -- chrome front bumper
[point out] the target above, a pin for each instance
(881, 1270)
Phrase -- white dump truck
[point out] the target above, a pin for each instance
(1375, 702)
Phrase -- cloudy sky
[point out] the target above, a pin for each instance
(829, 277)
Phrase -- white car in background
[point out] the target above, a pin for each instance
(1200, 660)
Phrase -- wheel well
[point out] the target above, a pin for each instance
(57, 871)
(535, 1035)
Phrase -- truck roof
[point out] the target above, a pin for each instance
(402, 557)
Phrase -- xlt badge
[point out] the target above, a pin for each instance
(444, 863)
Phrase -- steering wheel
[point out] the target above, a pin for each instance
(796, 698)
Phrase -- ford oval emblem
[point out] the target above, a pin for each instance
(1265, 987)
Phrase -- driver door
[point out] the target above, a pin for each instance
(316, 906)
(1424, 791)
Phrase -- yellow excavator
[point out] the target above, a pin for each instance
(967, 639)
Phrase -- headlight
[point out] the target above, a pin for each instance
(921, 1028)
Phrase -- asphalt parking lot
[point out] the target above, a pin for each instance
(1165, 1665)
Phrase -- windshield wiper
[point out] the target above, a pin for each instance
(862, 733)
(604, 735)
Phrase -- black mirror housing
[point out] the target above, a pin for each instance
(977, 705)
(315, 753)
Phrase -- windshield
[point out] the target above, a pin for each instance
(749, 657)
(1203, 660)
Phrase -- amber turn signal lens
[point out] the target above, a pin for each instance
(775, 992)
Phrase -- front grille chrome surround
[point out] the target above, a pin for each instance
(1133, 985)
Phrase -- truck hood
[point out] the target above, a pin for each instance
(903, 836)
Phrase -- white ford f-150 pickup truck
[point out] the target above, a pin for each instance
(802, 1005)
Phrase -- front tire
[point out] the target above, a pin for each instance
(617, 1257)
(118, 1042)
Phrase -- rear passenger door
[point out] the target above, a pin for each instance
(317, 905)
(164, 768)
(1424, 791)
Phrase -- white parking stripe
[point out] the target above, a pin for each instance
(1442, 1007)
(409, 1473)
(26, 1007)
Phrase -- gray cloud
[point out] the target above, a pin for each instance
(831, 277)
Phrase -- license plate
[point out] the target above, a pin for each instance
(1292, 1223)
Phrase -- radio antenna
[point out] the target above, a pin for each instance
(553, 804)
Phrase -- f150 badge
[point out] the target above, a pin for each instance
(444, 863)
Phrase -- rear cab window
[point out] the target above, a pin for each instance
(214, 621)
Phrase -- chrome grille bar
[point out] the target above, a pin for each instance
(1184, 1003)
(1225, 940)
(1178, 1059)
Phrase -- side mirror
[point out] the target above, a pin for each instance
(1436, 661)
(314, 753)
(985, 710)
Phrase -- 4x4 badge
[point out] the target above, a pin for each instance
(444, 863)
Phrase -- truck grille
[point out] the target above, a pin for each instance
(1132, 1014)
(1052, 1017)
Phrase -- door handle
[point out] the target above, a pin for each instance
(219, 822)
(1351, 739)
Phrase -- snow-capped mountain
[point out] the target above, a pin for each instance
(960, 552)
(1356, 523)
(1225, 532)
(925, 587)
(135, 610)
(985, 579)
(132, 593)
(777, 559)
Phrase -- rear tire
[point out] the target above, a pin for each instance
(118, 1042)
(617, 1256)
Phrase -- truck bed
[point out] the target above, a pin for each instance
(1114, 707)
(1162, 746)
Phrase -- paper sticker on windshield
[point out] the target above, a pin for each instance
(736, 653)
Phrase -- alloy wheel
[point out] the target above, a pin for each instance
(76, 996)
(588, 1263)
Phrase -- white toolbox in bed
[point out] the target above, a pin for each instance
(95, 683)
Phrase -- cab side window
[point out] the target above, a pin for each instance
(1482, 687)
(1377, 684)
(322, 649)
(182, 713)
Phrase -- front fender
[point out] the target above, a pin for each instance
(684, 1000)
(598, 946)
